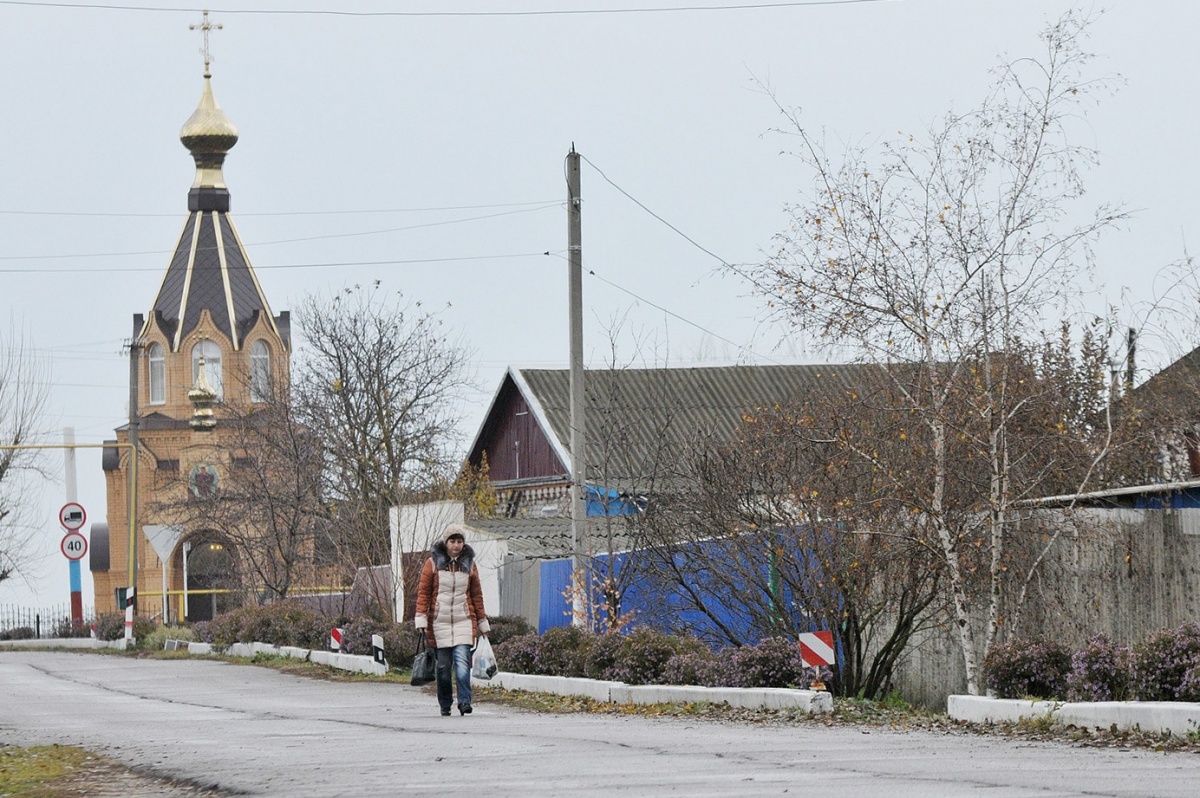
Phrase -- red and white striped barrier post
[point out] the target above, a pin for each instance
(816, 650)
(130, 603)
(335, 638)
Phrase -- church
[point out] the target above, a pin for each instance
(209, 338)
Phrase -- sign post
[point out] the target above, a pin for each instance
(74, 545)
(816, 650)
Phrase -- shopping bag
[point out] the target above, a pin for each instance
(424, 667)
(483, 660)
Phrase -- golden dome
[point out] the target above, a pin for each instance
(208, 134)
(208, 129)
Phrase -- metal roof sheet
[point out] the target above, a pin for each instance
(639, 421)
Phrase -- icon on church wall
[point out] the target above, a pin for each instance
(203, 481)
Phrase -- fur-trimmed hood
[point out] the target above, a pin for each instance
(441, 557)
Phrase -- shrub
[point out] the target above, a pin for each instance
(286, 623)
(111, 626)
(520, 654)
(399, 640)
(506, 627)
(1100, 671)
(563, 652)
(18, 633)
(203, 631)
(1162, 662)
(774, 662)
(604, 654)
(700, 667)
(157, 637)
(643, 654)
(1036, 668)
(226, 629)
(65, 627)
(1189, 688)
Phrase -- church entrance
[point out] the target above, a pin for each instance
(210, 576)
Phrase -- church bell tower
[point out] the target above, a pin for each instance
(209, 325)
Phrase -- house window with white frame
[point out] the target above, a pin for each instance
(212, 366)
(260, 372)
(158, 374)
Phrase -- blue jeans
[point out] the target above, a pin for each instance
(460, 656)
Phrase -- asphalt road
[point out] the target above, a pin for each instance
(259, 732)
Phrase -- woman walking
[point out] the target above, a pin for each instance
(450, 610)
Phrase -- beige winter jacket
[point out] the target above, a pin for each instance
(450, 599)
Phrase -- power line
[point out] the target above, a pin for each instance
(673, 314)
(329, 264)
(735, 269)
(294, 240)
(553, 12)
(542, 203)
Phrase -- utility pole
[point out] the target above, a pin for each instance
(135, 348)
(579, 571)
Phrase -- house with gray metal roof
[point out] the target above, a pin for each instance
(640, 422)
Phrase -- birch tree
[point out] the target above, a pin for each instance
(23, 393)
(935, 258)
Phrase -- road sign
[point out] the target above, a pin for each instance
(72, 516)
(74, 545)
(816, 649)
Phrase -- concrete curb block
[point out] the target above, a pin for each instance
(346, 662)
(809, 701)
(355, 663)
(557, 685)
(63, 642)
(1175, 717)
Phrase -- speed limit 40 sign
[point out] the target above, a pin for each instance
(74, 545)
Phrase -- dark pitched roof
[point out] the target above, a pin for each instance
(639, 420)
(210, 269)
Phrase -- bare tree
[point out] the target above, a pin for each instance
(938, 261)
(379, 382)
(23, 392)
(271, 511)
(787, 529)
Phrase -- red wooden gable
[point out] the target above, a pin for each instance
(516, 445)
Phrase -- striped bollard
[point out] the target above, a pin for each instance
(335, 638)
(130, 603)
(377, 649)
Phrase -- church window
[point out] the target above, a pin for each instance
(260, 372)
(212, 365)
(158, 375)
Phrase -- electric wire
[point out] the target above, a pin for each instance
(550, 12)
(740, 347)
(732, 267)
(268, 267)
(542, 203)
(405, 228)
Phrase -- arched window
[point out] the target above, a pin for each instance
(212, 366)
(260, 372)
(158, 375)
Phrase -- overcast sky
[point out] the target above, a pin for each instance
(425, 149)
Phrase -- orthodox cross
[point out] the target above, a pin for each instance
(204, 26)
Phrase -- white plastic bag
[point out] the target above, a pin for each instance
(483, 660)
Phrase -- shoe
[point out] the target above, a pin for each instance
(445, 712)
(463, 709)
